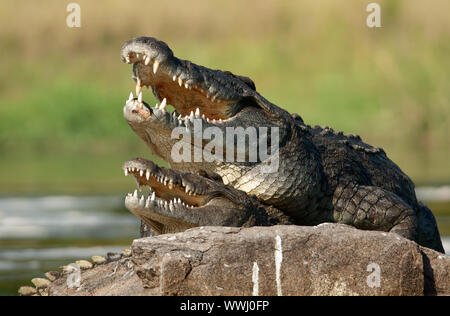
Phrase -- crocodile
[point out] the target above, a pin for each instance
(313, 174)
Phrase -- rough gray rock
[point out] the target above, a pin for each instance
(328, 259)
(115, 278)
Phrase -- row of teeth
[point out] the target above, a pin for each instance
(143, 202)
(187, 86)
(162, 106)
(180, 81)
(180, 119)
(197, 115)
(164, 180)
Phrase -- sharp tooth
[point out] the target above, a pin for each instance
(220, 121)
(138, 55)
(132, 169)
(163, 104)
(131, 97)
(142, 201)
(197, 112)
(135, 194)
(141, 173)
(207, 119)
(147, 203)
(186, 86)
(170, 184)
(127, 58)
(126, 172)
(138, 87)
(213, 98)
(191, 117)
(203, 116)
(179, 117)
(174, 78)
(179, 200)
(180, 81)
(140, 97)
(156, 106)
(147, 175)
(147, 60)
(153, 196)
(155, 66)
(214, 121)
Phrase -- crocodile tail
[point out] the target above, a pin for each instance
(428, 233)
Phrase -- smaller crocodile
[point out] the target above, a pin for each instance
(179, 200)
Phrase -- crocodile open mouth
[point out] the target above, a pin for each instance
(170, 195)
(192, 90)
(168, 189)
(178, 200)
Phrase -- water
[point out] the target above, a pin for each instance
(38, 234)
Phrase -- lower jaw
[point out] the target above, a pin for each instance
(160, 223)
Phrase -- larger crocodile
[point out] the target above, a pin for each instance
(322, 175)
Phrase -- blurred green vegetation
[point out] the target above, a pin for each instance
(62, 90)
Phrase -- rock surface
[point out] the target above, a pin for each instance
(328, 259)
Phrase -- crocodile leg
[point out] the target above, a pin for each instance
(428, 232)
(372, 208)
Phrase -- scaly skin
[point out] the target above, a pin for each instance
(323, 175)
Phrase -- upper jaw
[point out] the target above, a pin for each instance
(185, 85)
